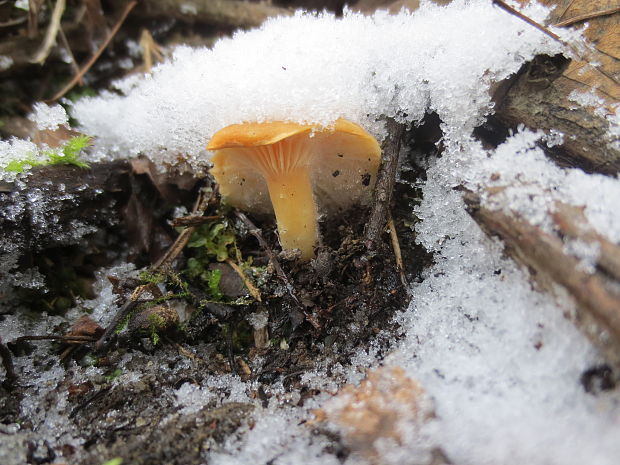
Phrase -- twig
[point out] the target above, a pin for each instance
(385, 183)
(69, 339)
(65, 43)
(119, 316)
(229, 349)
(97, 54)
(251, 287)
(256, 232)
(554, 36)
(586, 16)
(7, 363)
(193, 220)
(14, 22)
(397, 253)
(33, 18)
(150, 49)
(50, 34)
(181, 241)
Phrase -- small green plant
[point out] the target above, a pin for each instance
(114, 461)
(68, 154)
(215, 239)
(113, 375)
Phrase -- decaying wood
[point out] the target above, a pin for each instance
(44, 210)
(385, 183)
(227, 13)
(595, 293)
(539, 96)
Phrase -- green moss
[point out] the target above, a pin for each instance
(68, 154)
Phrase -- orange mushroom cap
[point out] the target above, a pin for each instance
(286, 166)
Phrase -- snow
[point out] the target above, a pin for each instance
(48, 117)
(499, 359)
(317, 68)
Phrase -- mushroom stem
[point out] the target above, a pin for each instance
(296, 216)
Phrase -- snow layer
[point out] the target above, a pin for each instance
(317, 68)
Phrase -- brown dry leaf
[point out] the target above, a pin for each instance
(85, 326)
(387, 405)
(604, 33)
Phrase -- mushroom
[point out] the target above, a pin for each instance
(286, 166)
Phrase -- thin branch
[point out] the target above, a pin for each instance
(97, 54)
(181, 241)
(14, 22)
(385, 183)
(397, 252)
(587, 16)
(65, 44)
(50, 34)
(184, 221)
(69, 338)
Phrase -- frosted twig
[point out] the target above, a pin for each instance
(50, 34)
(586, 16)
(97, 54)
(256, 232)
(385, 183)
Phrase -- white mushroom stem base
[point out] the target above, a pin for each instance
(296, 215)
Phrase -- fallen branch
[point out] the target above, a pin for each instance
(545, 254)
